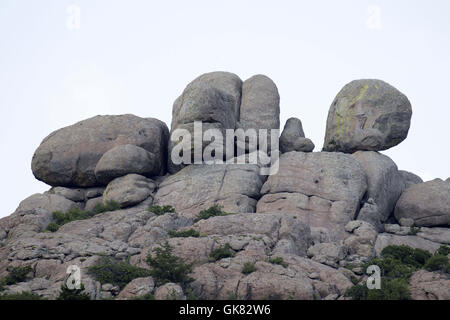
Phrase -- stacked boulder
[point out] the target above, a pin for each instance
(306, 230)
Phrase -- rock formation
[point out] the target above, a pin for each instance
(304, 232)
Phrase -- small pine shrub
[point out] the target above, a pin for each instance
(118, 273)
(21, 296)
(248, 268)
(438, 262)
(159, 211)
(221, 253)
(278, 260)
(73, 294)
(406, 255)
(213, 211)
(443, 250)
(60, 218)
(16, 275)
(166, 267)
(184, 234)
(147, 296)
(110, 205)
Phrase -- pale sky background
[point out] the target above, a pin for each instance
(137, 56)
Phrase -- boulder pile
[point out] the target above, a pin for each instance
(304, 232)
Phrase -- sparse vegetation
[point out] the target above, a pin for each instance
(213, 211)
(278, 260)
(413, 231)
(248, 268)
(21, 296)
(61, 218)
(443, 250)
(397, 264)
(221, 253)
(118, 273)
(166, 267)
(73, 294)
(159, 211)
(184, 234)
(16, 275)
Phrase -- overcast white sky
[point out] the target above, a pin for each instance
(116, 57)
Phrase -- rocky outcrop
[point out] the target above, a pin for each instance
(425, 285)
(129, 190)
(428, 204)
(384, 186)
(410, 178)
(385, 239)
(293, 138)
(367, 115)
(197, 187)
(68, 156)
(324, 188)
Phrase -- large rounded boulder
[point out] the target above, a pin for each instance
(68, 156)
(428, 204)
(367, 115)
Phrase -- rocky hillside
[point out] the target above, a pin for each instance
(140, 226)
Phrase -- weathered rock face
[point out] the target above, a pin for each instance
(260, 107)
(410, 178)
(129, 190)
(325, 188)
(367, 115)
(384, 185)
(137, 288)
(425, 285)
(428, 204)
(385, 239)
(126, 159)
(293, 138)
(213, 98)
(68, 156)
(198, 187)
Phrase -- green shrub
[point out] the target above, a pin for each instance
(248, 268)
(73, 294)
(213, 211)
(118, 273)
(407, 255)
(184, 234)
(413, 231)
(21, 296)
(394, 289)
(221, 253)
(147, 296)
(60, 218)
(391, 268)
(16, 275)
(166, 267)
(190, 295)
(278, 260)
(438, 262)
(158, 210)
(443, 250)
(110, 205)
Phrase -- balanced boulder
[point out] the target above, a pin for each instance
(428, 204)
(68, 156)
(367, 115)
(293, 138)
(126, 159)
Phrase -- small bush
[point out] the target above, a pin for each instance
(395, 289)
(166, 267)
(213, 211)
(248, 268)
(407, 255)
(158, 210)
(147, 296)
(118, 273)
(21, 296)
(16, 275)
(184, 234)
(279, 260)
(413, 231)
(110, 205)
(73, 294)
(438, 262)
(221, 253)
(60, 218)
(443, 250)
